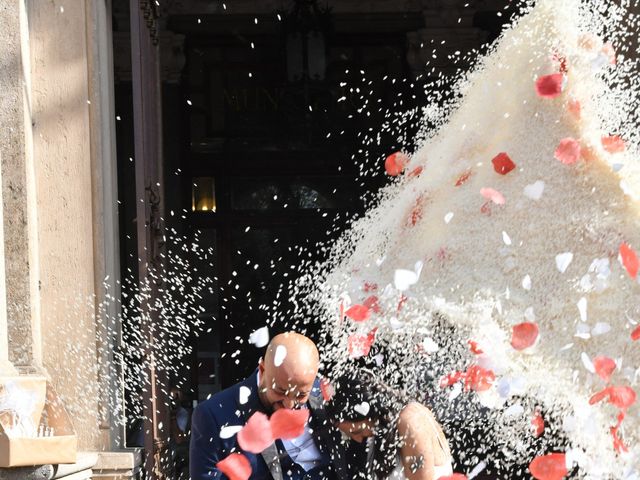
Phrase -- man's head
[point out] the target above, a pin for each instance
(287, 371)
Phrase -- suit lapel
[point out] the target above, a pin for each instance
(325, 436)
(272, 459)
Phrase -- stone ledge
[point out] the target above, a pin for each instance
(81, 470)
(129, 459)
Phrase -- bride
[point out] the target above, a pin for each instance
(404, 440)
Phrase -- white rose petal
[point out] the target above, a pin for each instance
(260, 338)
(505, 238)
(582, 308)
(281, 353)
(586, 361)
(362, 408)
(535, 190)
(448, 217)
(245, 393)
(230, 431)
(563, 260)
(526, 282)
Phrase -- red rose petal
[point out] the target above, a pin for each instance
(236, 466)
(537, 424)
(494, 195)
(604, 367)
(450, 379)
(372, 304)
(629, 260)
(613, 143)
(524, 335)
(358, 313)
(502, 164)
(621, 397)
(474, 347)
(359, 345)
(635, 335)
(562, 60)
(549, 467)
(395, 163)
(478, 378)
(256, 435)
(618, 444)
(455, 476)
(462, 179)
(289, 424)
(370, 287)
(326, 389)
(568, 151)
(549, 86)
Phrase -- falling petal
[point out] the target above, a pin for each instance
(563, 260)
(586, 361)
(358, 313)
(395, 163)
(635, 334)
(236, 466)
(403, 279)
(537, 423)
(524, 335)
(502, 163)
(256, 435)
(629, 260)
(534, 191)
(549, 86)
(326, 389)
(260, 338)
(549, 467)
(462, 179)
(613, 143)
(280, 355)
(568, 151)
(372, 304)
(229, 431)
(362, 408)
(245, 393)
(526, 282)
(289, 424)
(604, 367)
(494, 195)
(574, 108)
(505, 238)
(582, 308)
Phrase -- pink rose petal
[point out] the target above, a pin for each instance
(236, 466)
(613, 143)
(568, 151)
(289, 424)
(524, 335)
(256, 435)
(549, 467)
(358, 313)
(493, 195)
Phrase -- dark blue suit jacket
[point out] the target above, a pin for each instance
(224, 409)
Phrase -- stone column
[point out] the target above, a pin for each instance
(6, 367)
(18, 188)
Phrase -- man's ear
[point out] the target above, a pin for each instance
(261, 366)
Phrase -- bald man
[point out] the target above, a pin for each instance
(286, 377)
